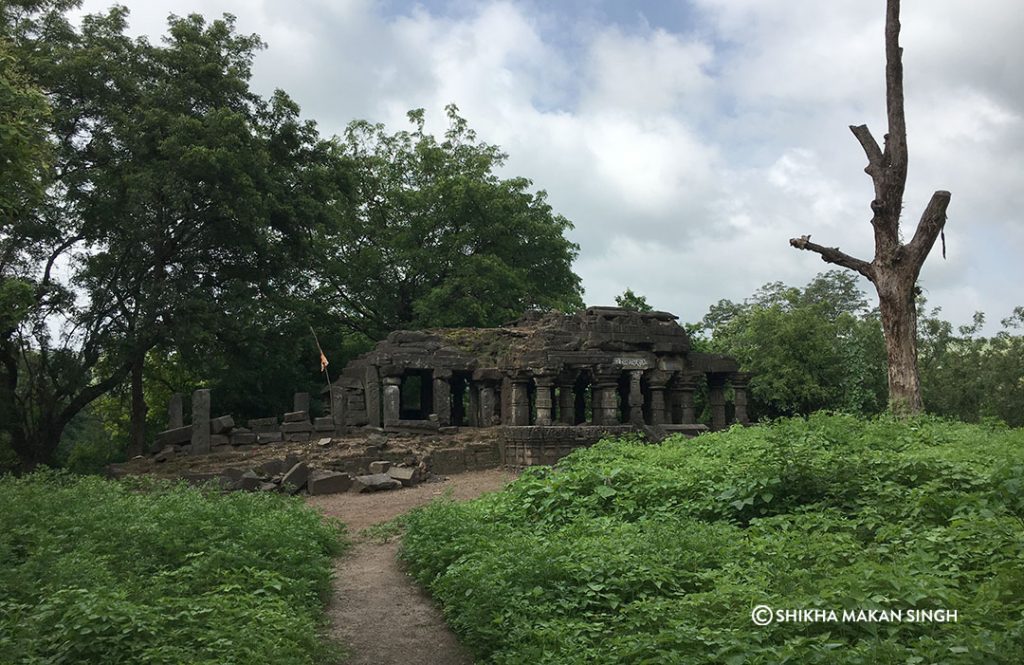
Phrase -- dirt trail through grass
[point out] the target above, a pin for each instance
(378, 612)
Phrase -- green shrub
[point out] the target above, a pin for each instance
(633, 553)
(103, 572)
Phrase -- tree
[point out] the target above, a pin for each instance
(433, 237)
(180, 197)
(896, 266)
(633, 301)
(809, 349)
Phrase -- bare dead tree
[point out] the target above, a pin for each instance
(896, 266)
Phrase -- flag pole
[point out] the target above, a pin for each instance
(323, 368)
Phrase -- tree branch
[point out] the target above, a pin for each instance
(833, 255)
(871, 149)
(933, 219)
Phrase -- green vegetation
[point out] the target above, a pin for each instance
(632, 553)
(104, 572)
(821, 347)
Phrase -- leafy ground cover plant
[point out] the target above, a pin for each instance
(634, 553)
(96, 571)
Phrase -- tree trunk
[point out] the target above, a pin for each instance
(899, 325)
(137, 430)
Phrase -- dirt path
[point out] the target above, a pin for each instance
(378, 612)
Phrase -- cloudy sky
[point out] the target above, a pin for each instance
(687, 140)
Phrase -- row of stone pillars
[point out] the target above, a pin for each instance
(671, 397)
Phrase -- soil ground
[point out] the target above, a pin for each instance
(377, 611)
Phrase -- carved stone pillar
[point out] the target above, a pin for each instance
(443, 396)
(681, 391)
(716, 397)
(338, 400)
(658, 382)
(486, 404)
(175, 417)
(519, 403)
(545, 385)
(473, 416)
(392, 400)
(300, 402)
(567, 397)
(201, 421)
(605, 389)
(372, 396)
(636, 398)
(740, 381)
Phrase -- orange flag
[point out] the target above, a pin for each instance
(323, 361)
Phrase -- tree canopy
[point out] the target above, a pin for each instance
(165, 223)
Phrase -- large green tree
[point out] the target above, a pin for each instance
(434, 237)
(177, 202)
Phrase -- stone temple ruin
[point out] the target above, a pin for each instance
(552, 382)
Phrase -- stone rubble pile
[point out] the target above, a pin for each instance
(291, 475)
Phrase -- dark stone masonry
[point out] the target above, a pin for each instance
(552, 381)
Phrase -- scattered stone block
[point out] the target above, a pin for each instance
(328, 482)
(268, 487)
(380, 466)
(406, 475)
(323, 443)
(175, 436)
(296, 416)
(324, 424)
(295, 427)
(249, 481)
(167, 453)
(375, 482)
(448, 460)
(219, 439)
(242, 438)
(233, 473)
(300, 402)
(269, 437)
(295, 438)
(270, 468)
(222, 424)
(263, 424)
(296, 478)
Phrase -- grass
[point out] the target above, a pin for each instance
(633, 553)
(96, 571)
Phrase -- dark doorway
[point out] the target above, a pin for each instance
(416, 394)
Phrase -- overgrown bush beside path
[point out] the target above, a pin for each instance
(96, 571)
(633, 553)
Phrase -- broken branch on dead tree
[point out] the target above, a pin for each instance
(933, 220)
(833, 255)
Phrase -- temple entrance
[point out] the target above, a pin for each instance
(460, 383)
(584, 409)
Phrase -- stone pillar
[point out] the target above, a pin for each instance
(200, 422)
(301, 402)
(567, 397)
(372, 396)
(545, 385)
(392, 400)
(175, 417)
(443, 396)
(486, 404)
(605, 388)
(636, 398)
(658, 381)
(681, 391)
(520, 401)
(740, 381)
(716, 397)
(338, 400)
